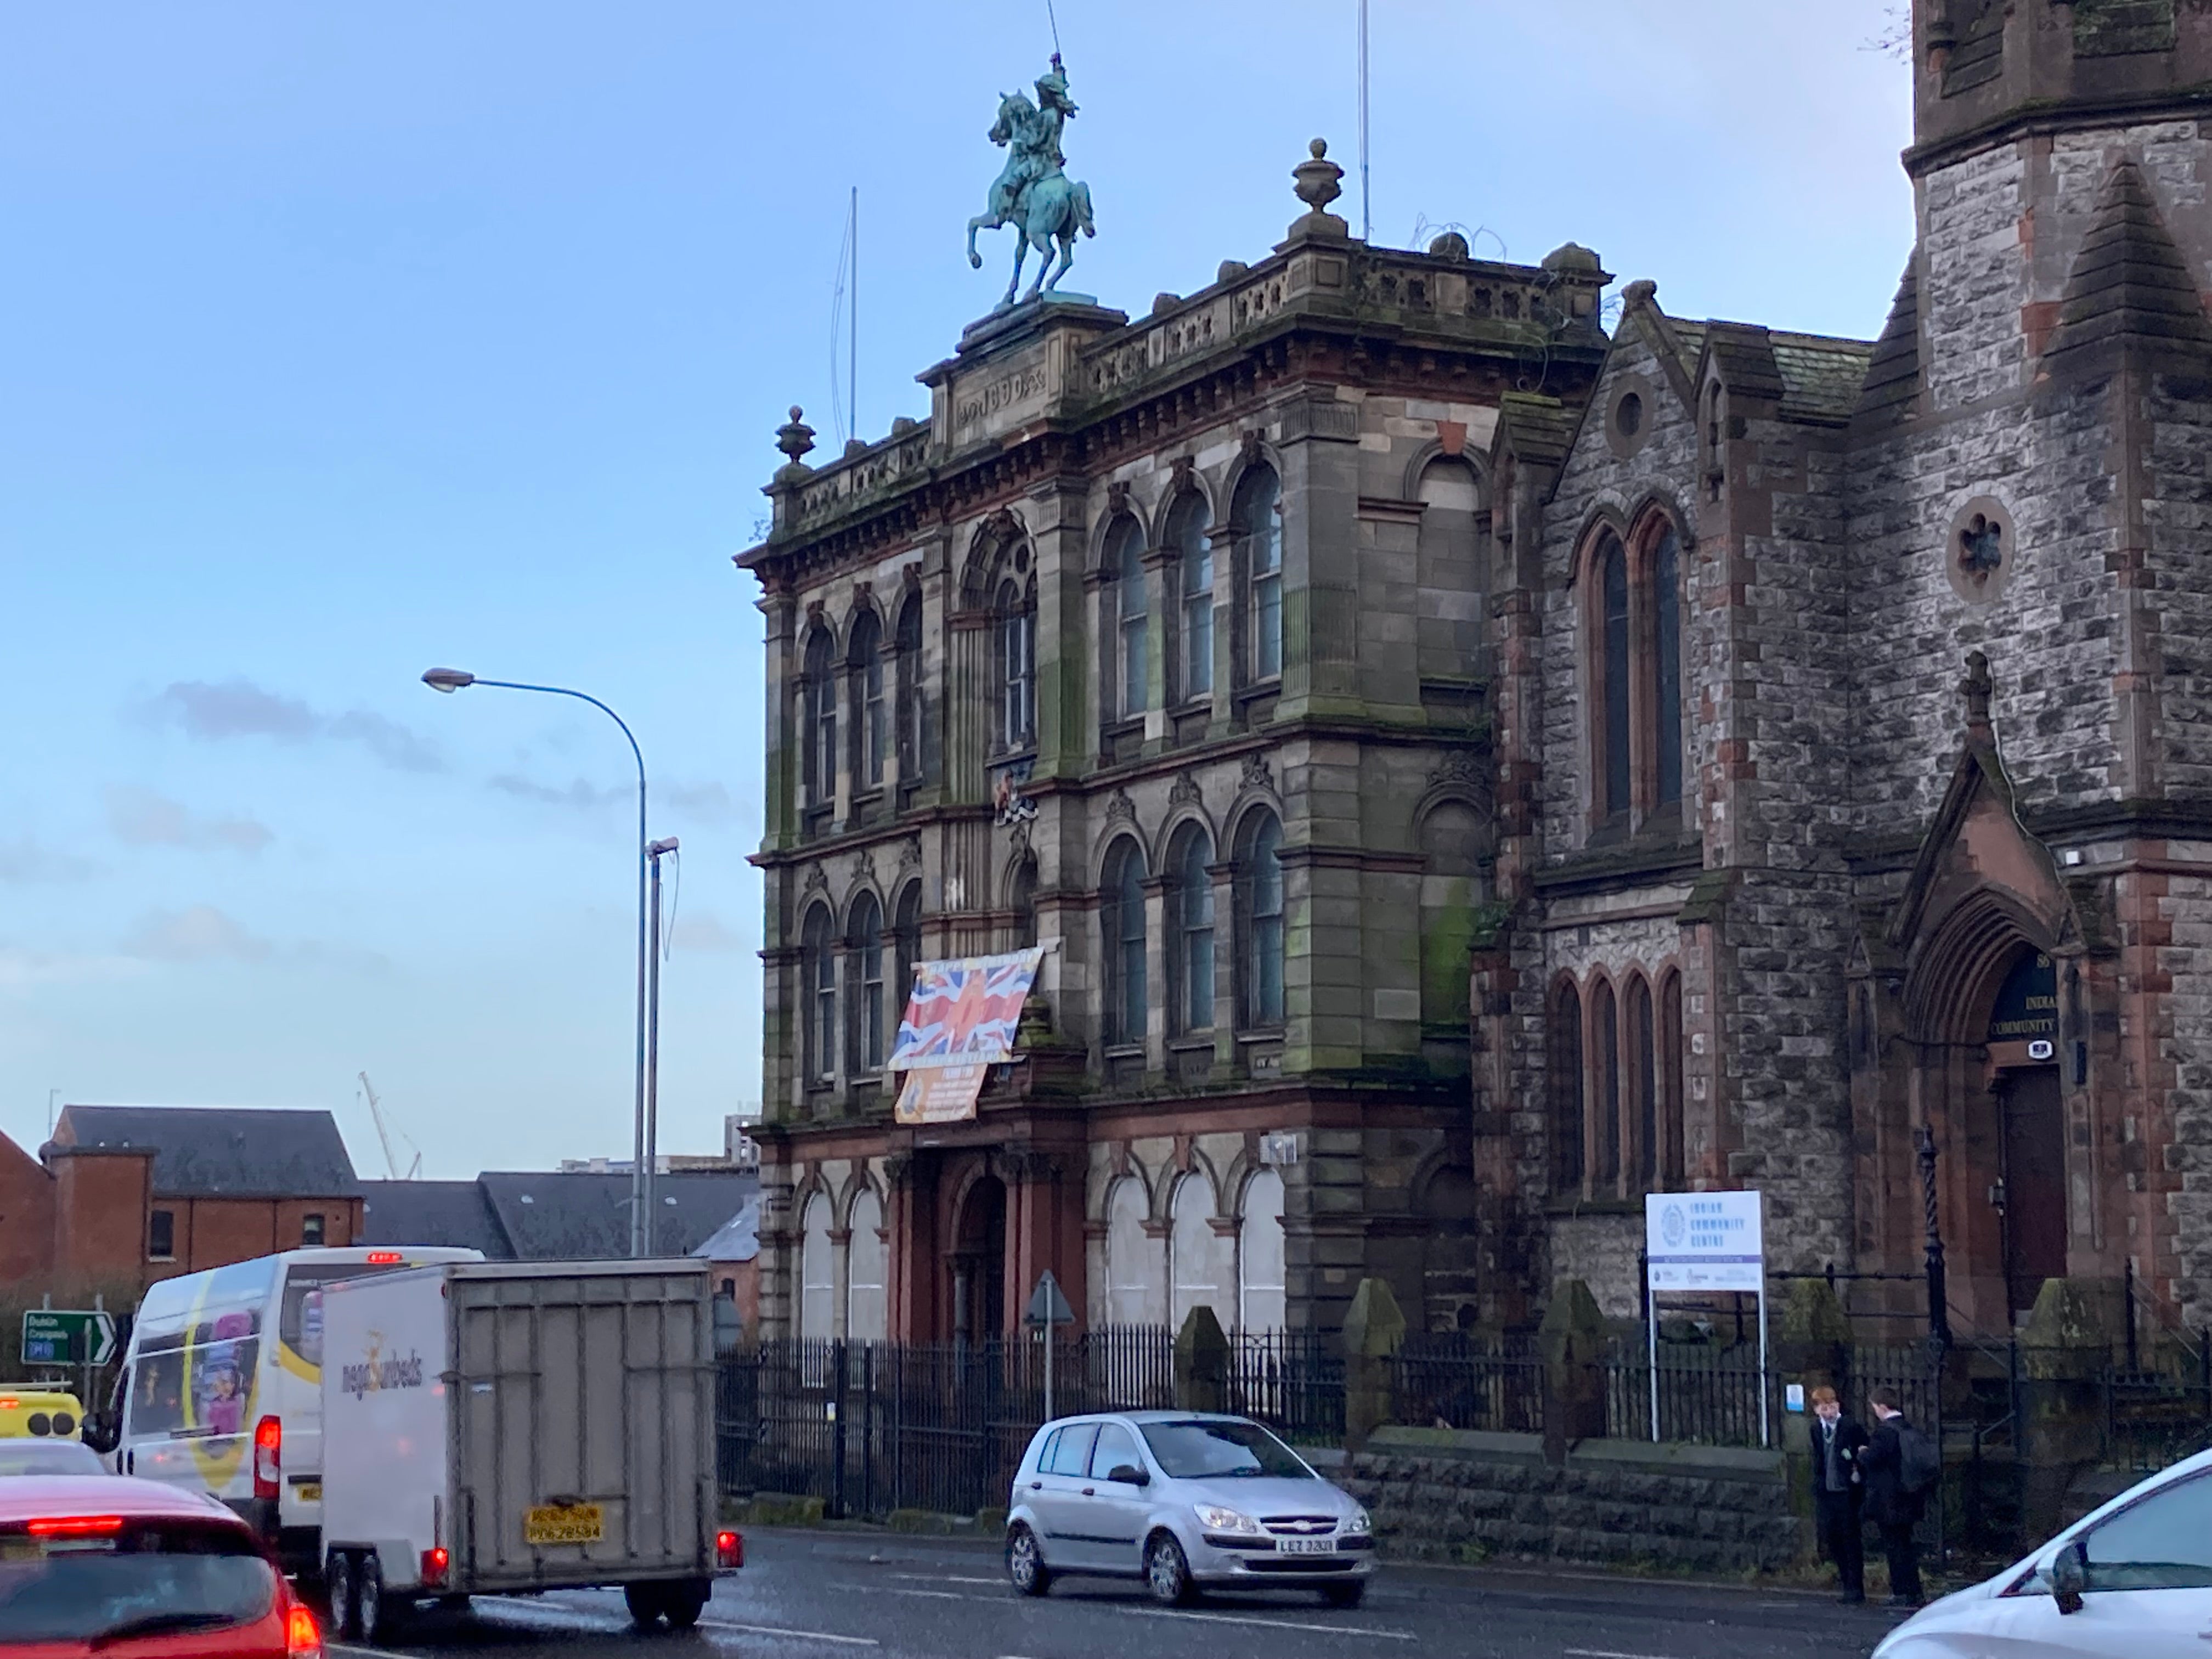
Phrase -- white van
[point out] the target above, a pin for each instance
(222, 1388)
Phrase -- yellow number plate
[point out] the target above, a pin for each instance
(309, 1491)
(555, 1523)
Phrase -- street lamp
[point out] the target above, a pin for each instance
(450, 680)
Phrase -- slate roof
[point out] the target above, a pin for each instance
(1893, 376)
(222, 1151)
(454, 1214)
(738, 1239)
(1822, 375)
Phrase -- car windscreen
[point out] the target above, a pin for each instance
(75, 1580)
(1199, 1449)
(47, 1457)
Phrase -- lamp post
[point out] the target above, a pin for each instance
(450, 680)
(658, 851)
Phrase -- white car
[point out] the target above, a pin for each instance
(2132, 1581)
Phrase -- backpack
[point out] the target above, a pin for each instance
(1919, 1464)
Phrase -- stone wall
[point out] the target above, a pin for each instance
(1443, 1495)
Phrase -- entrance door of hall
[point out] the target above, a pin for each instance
(2034, 1151)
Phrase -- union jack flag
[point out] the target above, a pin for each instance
(965, 1011)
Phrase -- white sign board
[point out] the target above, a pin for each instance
(1697, 1241)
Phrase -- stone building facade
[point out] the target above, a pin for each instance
(1852, 728)
(1161, 645)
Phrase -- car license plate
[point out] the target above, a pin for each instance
(1305, 1547)
(563, 1523)
(308, 1492)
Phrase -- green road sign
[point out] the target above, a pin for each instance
(58, 1336)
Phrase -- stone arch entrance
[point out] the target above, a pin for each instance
(979, 1262)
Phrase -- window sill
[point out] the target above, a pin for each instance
(1123, 1051)
(1260, 1034)
(162, 1260)
(1186, 1041)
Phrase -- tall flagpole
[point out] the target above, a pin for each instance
(1366, 207)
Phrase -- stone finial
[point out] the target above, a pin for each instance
(1977, 689)
(795, 438)
(1319, 183)
(1450, 246)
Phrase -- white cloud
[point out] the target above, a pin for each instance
(239, 708)
(139, 817)
(202, 933)
(24, 862)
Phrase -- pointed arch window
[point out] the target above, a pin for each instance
(1642, 1103)
(1125, 560)
(1256, 517)
(1605, 1041)
(908, 647)
(818, 716)
(1633, 669)
(1121, 944)
(1667, 668)
(864, 944)
(1185, 536)
(1190, 904)
(864, 656)
(1564, 1067)
(819, 995)
(1260, 917)
(1673, 1155)
(1613, 730)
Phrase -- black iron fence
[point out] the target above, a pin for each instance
(1450, 1380)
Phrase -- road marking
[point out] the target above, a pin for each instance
(804, 1635)
(1358, 1632)
(1606, 1653)
(944, 1578)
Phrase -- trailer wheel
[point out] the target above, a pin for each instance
(645, 1603)
(683, 1603)
(338, 1586)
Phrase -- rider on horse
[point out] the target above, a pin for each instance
(1033, 148)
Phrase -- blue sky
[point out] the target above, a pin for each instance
(342, 341)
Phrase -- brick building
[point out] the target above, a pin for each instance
(124, 1197)
(1160, 645)
(1854, 747)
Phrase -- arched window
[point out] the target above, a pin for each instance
(1194, 1253)
(1452, 845)
(865, 1275)
(1136, 1261)
(818, 994)
(818, 712)
(871, 734)
(1014, 631)
(1605, 1039)
(1021, 899)
(1121, 944)
(864, 980)
(1673, 1147)
(1612, 674)
(817, 1272)
(1667, 666)
(908, 677)
(1256, 517)
(906, 948)
(1260, 1276)
(1186, 537)
(1451, 582)
(1643, 1084)
(1563, 1064)
(1124, 561)
(1190, 908)
(1260, 917)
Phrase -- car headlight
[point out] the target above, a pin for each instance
(1216, 1519)
(1360, 1522)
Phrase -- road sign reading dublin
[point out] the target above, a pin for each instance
(59, 1336)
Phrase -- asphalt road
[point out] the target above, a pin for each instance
(837, 1595)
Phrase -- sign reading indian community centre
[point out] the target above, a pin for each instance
(1705, 1241)
(960, 1021)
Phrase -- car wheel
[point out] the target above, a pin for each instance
(1344, 1595)
(645, 1604)
(682, 1604)
(1025, 1566)
(379, 1615)
(1167, 1572)
(338, 1587)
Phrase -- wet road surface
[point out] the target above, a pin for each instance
(842, 1595)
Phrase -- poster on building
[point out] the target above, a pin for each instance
(960, 1021)
(1697, 1241)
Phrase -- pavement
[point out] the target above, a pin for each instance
(841, 1595)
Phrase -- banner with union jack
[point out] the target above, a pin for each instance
(965, 1011)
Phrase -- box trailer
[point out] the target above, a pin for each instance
(507, 1428)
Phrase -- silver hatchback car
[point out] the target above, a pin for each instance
(1186, 1502)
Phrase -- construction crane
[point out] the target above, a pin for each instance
(376, 1112)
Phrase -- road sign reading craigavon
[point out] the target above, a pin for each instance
(62, 1336)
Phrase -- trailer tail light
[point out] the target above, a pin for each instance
(730, 1549)
(302, 1639)
(436, 1560)
(268, 1457)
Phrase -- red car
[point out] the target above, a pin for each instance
(130, 1570)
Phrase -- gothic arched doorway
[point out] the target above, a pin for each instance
(2030, 1194)
(979, 1262)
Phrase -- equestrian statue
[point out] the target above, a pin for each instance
(1042, 203)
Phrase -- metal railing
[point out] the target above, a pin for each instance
(1453, 1381)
